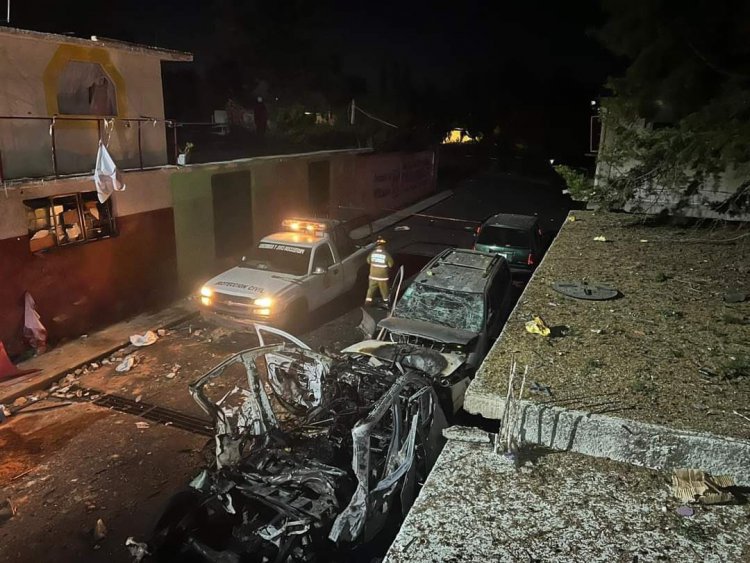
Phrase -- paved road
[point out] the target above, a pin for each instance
(68, 467)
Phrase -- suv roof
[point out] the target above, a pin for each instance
(510, 220)
(468, 271)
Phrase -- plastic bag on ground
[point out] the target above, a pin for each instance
(146, 339)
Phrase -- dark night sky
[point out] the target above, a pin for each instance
(523, 53)
(440, 39)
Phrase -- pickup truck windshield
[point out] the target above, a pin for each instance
(503, 236)
(281, 258)
(441, 306)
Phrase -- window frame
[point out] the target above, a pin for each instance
(318, 251)
(55, 225)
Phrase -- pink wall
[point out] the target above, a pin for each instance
(388, 182)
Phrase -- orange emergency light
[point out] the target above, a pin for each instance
(302, 225)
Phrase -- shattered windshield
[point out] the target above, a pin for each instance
(441, 306)
(282, 258)
(503, 236)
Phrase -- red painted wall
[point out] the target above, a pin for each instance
(81, 288)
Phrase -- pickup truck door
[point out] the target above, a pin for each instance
(350, 257)
(324, 287)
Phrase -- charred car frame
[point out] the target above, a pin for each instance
(315, 453)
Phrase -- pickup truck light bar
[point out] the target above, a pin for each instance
(303, 225)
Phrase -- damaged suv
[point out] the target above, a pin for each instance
(315, 453)
(457, 303)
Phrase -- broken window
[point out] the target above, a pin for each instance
(85, 89)
(67, 219)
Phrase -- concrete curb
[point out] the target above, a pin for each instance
(39, 381)
(620, 439)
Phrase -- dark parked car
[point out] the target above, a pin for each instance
(518, 238)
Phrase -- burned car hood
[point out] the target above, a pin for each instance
(427, 330)
(315, 453)
(431, 362)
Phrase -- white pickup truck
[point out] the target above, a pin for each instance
(287, 275)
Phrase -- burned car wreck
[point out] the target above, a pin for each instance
(315, 453)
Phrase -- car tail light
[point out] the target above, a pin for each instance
(531, 260)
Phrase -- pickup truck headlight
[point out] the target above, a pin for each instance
(264, 302)
(206, 291)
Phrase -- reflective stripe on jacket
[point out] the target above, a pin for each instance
(380, 264)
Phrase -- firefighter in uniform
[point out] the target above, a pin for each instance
(380, 269)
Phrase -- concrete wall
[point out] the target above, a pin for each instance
(30, 70)
(166, 240)
(84, 286)
(369, 183)
(653, 198)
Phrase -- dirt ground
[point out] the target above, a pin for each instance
(76, 464)
(66, 467)
(671, 350)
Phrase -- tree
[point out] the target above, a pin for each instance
(679, 118)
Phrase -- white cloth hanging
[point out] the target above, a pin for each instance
(33, 329)
(106, 175)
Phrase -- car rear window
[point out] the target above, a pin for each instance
(503, 236)
(441, 306)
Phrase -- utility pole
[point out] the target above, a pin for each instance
(7, 16)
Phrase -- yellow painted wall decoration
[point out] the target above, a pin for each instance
(68, 53)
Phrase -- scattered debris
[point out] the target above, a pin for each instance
(571, 219)
(138, 398)
(146, 339)
(601, 238)
(402, 228)
(142, 425)
(685, 511)
(161, 332)
(94, 365)
(125, 365)
(100, 530)
(538, 326)
(694, 486)
(585, 290)
(138, 550)
(8, 510)
(537, 387)
(643, 240)
(21, 401)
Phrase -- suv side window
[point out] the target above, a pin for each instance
(498, 289)
(323, 257)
